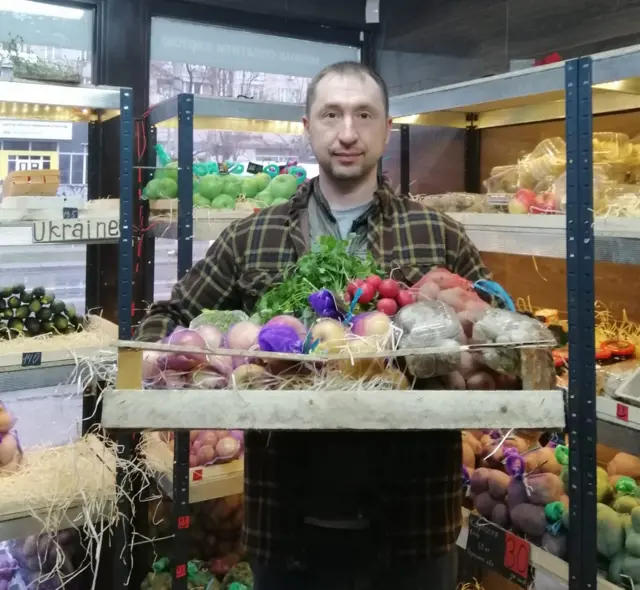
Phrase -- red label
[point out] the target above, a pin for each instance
(197, 474)
(183, 522)
(622, 412)
(516, 555)
(181, 571)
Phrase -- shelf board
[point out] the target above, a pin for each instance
(186, 409)
(37, 353)
(19, 516)
(618, 425)
(205, 483)
(234, 114)
(207, 223)
(539, 559)
(617, 239)
(523, 96)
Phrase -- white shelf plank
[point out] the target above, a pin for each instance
(331, 410)
(617, 239)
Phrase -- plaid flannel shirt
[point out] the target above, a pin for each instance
(417, 474)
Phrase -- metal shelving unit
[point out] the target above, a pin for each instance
(573, 91)
(93, 105)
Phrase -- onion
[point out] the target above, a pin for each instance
(208, 437)
(212, 336)
(203, 379)
(238, 435)
(205, 455)
(227, 448)
(289, 320)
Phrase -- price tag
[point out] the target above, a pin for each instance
(181, 571)
(622, 412)
(516, 555)
(501, 551)
(69, 213)
(31, 359)
(197, 475)
(184, 521)
(254, 168)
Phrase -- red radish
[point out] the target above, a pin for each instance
(404, 298)
(367, 294)
(388, 306)
(389, 288)
(347, 297)
(353, 286)
(374, 281)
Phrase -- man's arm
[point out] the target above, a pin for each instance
(210, 284)
(466, 260)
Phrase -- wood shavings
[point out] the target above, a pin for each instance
(475, 585)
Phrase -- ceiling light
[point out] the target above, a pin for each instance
(40, 9)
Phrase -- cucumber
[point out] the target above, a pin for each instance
(15, 325)
(26, 297)
(18, 289)
(38, 292)
(3, 304)
(8, 313)
(46, 326)
(71, 310)
(35, 306)
(6, 292)
(48, 298)
(14, 302)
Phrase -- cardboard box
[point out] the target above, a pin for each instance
(31, 183)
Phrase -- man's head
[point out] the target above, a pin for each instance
(347, 120)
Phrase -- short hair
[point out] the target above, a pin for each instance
(344, 68)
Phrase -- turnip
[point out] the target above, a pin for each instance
(481, 381)
(227, 448)
(289, 320)
(243, 336)
(212, 336)
(375, 325)
(188, 338)
(220, 364)
(203, 379)
(249, 375)
(331, 334)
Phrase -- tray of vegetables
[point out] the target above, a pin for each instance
(215, 461)
(336, 341)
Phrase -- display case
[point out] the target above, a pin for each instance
(61, 495)
(551, 202)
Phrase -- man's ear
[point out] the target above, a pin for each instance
(305, 123)
(389, 129)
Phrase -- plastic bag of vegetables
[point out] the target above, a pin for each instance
(430, 324)
(507, 327)
(10, 449)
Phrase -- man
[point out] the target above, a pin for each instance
(343, 510)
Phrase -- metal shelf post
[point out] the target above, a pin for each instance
(581, 414)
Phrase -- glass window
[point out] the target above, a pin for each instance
(44, 146)
(65, 168)
(222, 62)
(77, 169)
(15, 145)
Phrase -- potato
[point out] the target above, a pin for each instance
(544, 488)
(480, 481)
(555, 544)
(481, 381)
(542, 460)
(625, 464)
(468, 456)
(485, 504)
(529, 519)
(498, 482)
(500, 515)
(516, 493)
(454, 381)
(472, 441)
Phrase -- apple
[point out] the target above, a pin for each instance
(523, 201)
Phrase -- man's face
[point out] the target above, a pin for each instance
(347, 126)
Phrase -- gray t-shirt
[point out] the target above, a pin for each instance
(345, 218)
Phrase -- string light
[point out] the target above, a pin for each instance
(46, 112)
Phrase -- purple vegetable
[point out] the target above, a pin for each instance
(279, 338)
(324, 304)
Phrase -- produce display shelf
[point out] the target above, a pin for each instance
(523, 96)
(207, 223)
(25, 503)
(617, 239)
(538, 558)
(328, 410)
(618, 425)
(79, 97)
(37, 353)
(205, 483)
(234, 114)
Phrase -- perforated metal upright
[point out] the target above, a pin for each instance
(581, 411)
(122, 537)
(181, 518)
